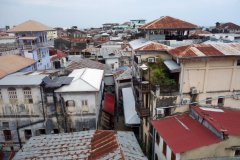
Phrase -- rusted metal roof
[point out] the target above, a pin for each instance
(11, 63)
(196, 33)
(106, 51)
(206, 50)
(228, 25)
(83, 63)
(29, 26)
(123, 74)
(92, 145)
(152, 46)
(167, 22)
(84, 39)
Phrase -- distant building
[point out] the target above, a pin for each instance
(34, 43)
(76, 33)
(226, 28)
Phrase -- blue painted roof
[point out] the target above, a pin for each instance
(122, 68)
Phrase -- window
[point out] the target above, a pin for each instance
(86, 129)
(238, 63)
(125, 81)
(156, 156)
(84, 102)
(70, 103)
(73, 130)
(28, 134)
(29, 51)
(42, 131)
(1, 94)
(164, 148)
(38, 55)
(237, 153)
(209, 101)
(157, 138)
(173, 156)
(146, 121)
(55, 131)
(7, 135)
(12, 149)
(27, 95)
(220, 101)
(112, 65)
(12, 93)
(49, 99)
(5, 124)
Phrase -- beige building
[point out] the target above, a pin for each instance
(202, 74)
(52, 34)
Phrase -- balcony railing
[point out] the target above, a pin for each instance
(142, 111)
(35, 45)
(143, 86)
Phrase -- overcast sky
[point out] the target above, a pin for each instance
(93, 13)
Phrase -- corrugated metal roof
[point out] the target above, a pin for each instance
(29, 37)
(93, 145)
(172, 66)
(130, 113)
(226, 121)
(106, 51)
(211, 50)
(11, 63)
(167, 22)
(123, 74)
(30, 25)
(84, 80)
(196, 33)
(183, 133)
(143, 44)
(108, 104)
(83, 63)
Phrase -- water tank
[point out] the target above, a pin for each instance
(228, 38)
(214, 37)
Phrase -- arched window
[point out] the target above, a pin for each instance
(27, 95)
(12, 93)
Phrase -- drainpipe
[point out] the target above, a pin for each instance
(19, 127)
(182, 83)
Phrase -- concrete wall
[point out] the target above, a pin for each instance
(214, 150)
(110, 61)
(109, 80)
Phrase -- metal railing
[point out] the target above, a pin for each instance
(35, 45)
(143, 87)
(142, 111)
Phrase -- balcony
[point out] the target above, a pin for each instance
(34, 45)
(142, 86)
(142, 111)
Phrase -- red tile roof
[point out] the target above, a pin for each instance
(202, 50)
(183, 133)
(82, 63)
(11, 63)
(196, 33)
(167, 22)
(59, 55)
(229, 25)
(108, 104)
(153, 46)
(226, 121)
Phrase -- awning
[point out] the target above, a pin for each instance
(130, 114)
(108, 105)
(172, 66)
(25, 38)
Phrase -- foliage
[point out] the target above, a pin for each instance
(142, 145)
(161, 74)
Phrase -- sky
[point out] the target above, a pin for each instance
(94, 13)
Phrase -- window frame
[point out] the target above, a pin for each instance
(7, 135)
(27, 137)
(209, 101)
(4, 125)
(67, 103)
(221, 99)
(157, 138)
(85, 104)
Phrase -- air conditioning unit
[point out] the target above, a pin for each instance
(156, 59)
(195, 91)
(185, 101)
(160, 111)
(151, 60)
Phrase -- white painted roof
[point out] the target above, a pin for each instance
(139, 43)
(130, 113)
(84, 80)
